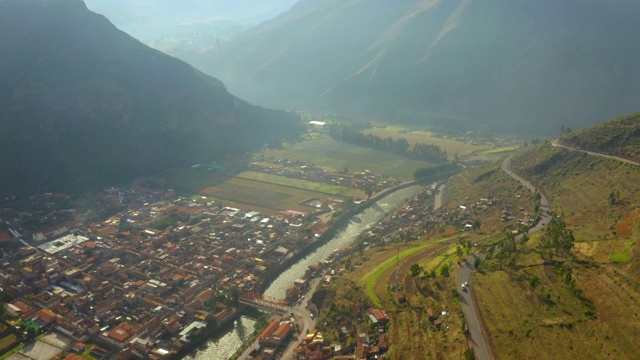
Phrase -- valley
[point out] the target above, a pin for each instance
(420, 179)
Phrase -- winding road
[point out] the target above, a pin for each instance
(555, 143)
(473, 317)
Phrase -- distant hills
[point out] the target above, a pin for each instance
(525, 67)
(618, 137)
(186, 27)
(83, 104)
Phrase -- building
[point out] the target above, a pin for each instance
(120, 335)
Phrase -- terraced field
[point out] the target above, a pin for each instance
(412, 334)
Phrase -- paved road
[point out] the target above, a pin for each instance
(302, 317)
(463, 274)
(555, 143)
(474, 325)
(437, 204)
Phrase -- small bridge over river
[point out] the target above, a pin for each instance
(262, 302)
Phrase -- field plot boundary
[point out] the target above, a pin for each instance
(264, 195)
(302, 184)
(371, 278)
(331, 154)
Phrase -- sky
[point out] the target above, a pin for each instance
(149, 16)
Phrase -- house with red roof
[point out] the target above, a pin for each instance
(120, 335)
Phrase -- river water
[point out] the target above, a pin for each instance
(224, 346)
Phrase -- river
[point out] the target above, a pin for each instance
(224, 346)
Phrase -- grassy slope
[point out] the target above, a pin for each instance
(411, 335)
(549, 321)
(619, 136)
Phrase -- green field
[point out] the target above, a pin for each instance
(256, 195)
(371, 279)
(332, 154)
(302, 184)
(418, 136)
(499, 150)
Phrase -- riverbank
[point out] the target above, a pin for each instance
(345, 231)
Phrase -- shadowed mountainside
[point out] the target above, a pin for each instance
(83, 104)
(520, 67)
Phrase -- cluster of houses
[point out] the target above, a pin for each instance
(371, 343)
(309, 171)
(143, 280)
(271, 339)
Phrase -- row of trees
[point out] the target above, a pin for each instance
(399, 146)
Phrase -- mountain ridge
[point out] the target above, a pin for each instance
(85, 105)
(521, 68)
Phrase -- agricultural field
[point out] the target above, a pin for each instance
(499, 150)
(330, 154)
(258, 195)
(552, 316)
(412, 335)
(329, 189)
(252, 190)
(418, 136)
(584, 305)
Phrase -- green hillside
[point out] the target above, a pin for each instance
(583, 302)
(619, 137)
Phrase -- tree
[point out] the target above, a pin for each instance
(235, 296)
(369, 191)
(444, 270)
(211, 320)
(557, 239)
(534, 281)
(523, 240)
(459, 252)
(32, 332)
(614, 197)
(475, 225)
(416, 269)
(469, 354)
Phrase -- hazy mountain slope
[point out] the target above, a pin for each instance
(83, 104)
(619, 137)
(185, 27)
(527, 66)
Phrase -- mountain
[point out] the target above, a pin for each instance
(185, 27)
(524, 67)
(619, 137)
(83, 104)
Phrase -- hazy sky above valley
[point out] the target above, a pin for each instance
(187, 28)
(153, 18)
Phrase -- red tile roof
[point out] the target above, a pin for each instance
(121, 332)
(47, 315)
(283, 330)
(270, 329)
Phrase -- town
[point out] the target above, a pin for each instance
(146, 273)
